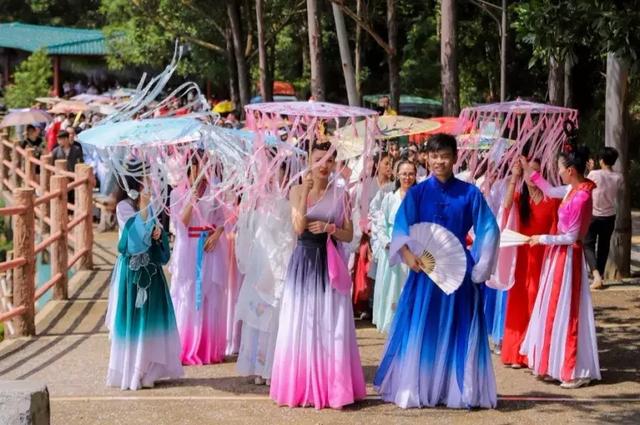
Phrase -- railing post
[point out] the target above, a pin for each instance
(84, 205)
(59, 251)
(29, 167)
(61, 164)
(3, 171)
(15, 164)
(24, 277)
(45, 185)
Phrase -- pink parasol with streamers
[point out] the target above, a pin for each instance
(491, 137)
(301, 124)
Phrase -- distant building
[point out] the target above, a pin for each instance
(85, 49)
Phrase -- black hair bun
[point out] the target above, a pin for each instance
(571, 131)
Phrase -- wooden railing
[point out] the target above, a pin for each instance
(36, 192)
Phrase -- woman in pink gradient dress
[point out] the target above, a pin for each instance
(560, 343)
(316, 360)
(199, 270)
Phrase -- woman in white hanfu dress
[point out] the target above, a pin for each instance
(264, 245)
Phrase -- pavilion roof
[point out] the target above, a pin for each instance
(56, 40)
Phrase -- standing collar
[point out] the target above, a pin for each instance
(437, 183)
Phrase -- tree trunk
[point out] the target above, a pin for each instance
(248, 46)
(448, 60)
(358, 48)
(305, 71)
(315, 50)
(241, 62)
(393, 58)
(568, 83)
(271, 49)
(231, 68)
(555, 81)
(266, 86)
(615, 130)
(345, 56)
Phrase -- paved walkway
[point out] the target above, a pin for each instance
(71, 350)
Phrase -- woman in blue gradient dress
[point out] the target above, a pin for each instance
(438, 352)
(145, 345)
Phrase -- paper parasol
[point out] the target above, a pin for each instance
(442, 255)
(92, 98)
(103, 109)
(69, 106)
(142, 132)
(24, 117)
(351, 137)
(509, 238)
(121, 92)
(391, 126)
(305, 116)
(49, 100)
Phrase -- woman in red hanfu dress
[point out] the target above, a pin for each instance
(560, 343)
(536, 214)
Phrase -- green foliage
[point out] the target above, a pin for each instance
(287, 58)
(31, 80)
(144, 33)
(75, 13)
(479, 57)
(420, 70)
(71, 13)
(552, 27)
(555, 28)
(614, 25)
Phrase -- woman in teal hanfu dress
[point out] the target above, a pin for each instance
(145, 345)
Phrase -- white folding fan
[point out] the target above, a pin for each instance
(441, 253)
(509, 238)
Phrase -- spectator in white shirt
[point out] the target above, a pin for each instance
(605, 196)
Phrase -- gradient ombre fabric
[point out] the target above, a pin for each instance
(561, 337)
(199, 297)
(438, 351)
(145, 345)
(316, 362)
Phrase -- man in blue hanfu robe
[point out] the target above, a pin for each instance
(438, 352)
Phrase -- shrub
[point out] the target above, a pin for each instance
(31, 80)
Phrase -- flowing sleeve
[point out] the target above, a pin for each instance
(176, 205)
(487, 239)
(376, 205)
(547, 188)
(124, 211)
(406, 216)
(245, 235)
(163, 248)
(139, 235)
(578, 209)
(355, 219)
(379, 236)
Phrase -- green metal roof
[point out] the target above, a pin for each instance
(56, 40)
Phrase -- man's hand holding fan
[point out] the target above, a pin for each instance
(440, 255)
